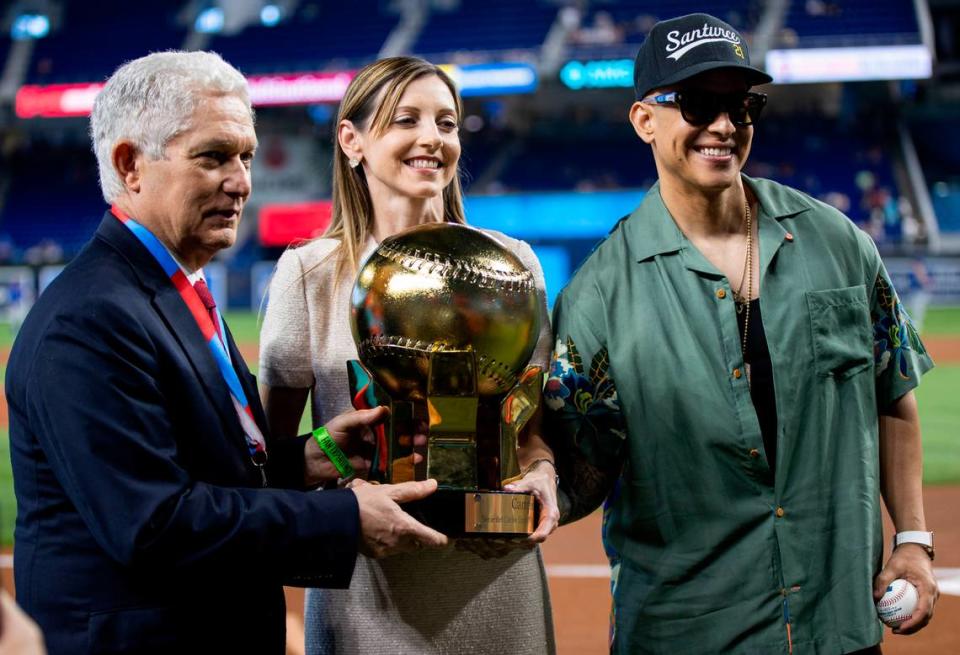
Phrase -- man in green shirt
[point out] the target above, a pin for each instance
(734, 373)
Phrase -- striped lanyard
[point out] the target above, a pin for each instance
(256, 445)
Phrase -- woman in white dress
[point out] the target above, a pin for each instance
(396, 154)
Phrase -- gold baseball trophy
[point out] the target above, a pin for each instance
(445, 320)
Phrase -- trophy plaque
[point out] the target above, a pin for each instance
(445, 320)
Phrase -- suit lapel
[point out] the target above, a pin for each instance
(178, 318)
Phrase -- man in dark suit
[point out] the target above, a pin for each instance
(154, 513)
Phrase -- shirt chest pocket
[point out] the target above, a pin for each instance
(841, 331)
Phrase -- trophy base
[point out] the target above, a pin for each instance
(465, 513)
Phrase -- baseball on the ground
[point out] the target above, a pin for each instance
(898, 603)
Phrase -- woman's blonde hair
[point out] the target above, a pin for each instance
(385, 80)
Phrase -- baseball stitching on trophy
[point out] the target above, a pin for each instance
(430, 263)
(497, 371)
(377, 342)
(405, 347)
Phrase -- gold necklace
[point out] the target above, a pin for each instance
(742, 302)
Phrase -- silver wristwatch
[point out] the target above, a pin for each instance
(919, 537)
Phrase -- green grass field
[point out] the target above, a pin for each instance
(939, 408)
(942, 322)
(939, 411)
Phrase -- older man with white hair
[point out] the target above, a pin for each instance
(156, 515)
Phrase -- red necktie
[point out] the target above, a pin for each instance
(207, 299)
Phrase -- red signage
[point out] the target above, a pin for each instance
(284, 223)
(56, 100)
(61, 100)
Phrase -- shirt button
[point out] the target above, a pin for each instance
(789, 236)
(721, 294)
(780, 512)
(754, 453)
(737, 373)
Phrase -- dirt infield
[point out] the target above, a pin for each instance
(944, 350)
(251, 352)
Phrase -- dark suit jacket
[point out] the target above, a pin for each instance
(142, 525)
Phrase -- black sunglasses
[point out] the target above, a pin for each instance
(701, 107)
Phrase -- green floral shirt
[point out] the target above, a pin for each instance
(711, 552)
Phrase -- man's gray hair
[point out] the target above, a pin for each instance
(150, 100)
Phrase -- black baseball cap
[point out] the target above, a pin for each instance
(679, 48)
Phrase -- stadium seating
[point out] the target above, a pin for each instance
(53, 194)
(847, 165)
(850, 165)
(853, 22)
(613, 158)
(5, 44)
(636, 17)
(98, 36)
(938, 147)
(486, 25)
(316, 34)
(829, 160)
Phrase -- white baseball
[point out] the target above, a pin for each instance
(898, 603)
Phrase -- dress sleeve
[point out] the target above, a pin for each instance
(583, 412)
(285, 357)
(900, 357)
(541, 354)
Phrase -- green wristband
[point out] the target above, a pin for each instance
(333, 452)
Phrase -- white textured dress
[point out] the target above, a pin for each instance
(434, 601)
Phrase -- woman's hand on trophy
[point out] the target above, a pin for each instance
(385, 529)
(540, 479)
(351, 434)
